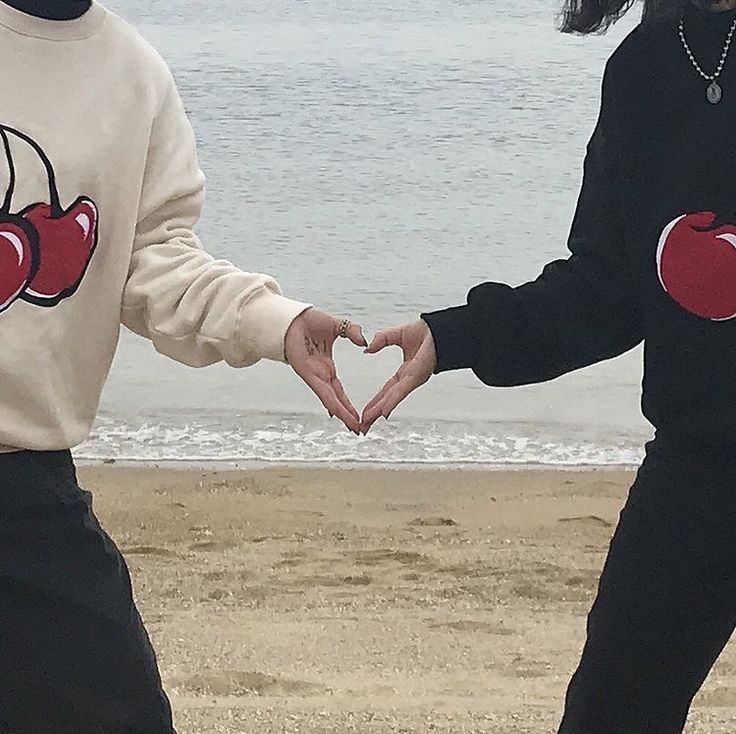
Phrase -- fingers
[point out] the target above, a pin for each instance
(344, 399)
(383, 339)
(314, 364)
(386, 405)
(355, 335)
(397, 394)
(329, 398)
(352, 332)
(378, 397)
(369, 418)
(348, 330)
(376, 408)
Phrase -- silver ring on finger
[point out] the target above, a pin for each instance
(342, 332)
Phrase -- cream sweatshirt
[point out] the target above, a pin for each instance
(101, 189)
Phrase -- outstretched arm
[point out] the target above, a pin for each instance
(199, 310)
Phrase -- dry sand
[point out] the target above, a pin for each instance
(305, 601)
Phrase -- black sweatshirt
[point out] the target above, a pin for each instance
(653, 247)
(51, 9)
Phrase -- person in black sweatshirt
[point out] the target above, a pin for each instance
(652, 260)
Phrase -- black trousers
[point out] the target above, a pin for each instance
(75, 658)
(74, 655)
(666, 603)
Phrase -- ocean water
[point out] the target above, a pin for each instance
(379, 159)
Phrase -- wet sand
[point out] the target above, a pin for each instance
(304, 601)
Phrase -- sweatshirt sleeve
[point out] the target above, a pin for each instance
(194, 308)
(579, 311)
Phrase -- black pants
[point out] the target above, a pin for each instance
(74, 656)
(666, 603)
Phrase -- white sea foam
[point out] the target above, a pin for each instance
(295, 439)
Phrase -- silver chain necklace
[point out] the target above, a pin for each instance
(714, 92)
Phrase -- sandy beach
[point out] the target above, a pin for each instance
(364, 600)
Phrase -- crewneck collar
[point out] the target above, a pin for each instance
(53, 30)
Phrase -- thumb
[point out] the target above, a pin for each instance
(383, 339)
(355, 334)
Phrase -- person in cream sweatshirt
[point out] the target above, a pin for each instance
(102, 191)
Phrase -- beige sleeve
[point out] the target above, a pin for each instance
(195, 309)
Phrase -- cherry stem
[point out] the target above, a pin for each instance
(54, 202)
(11, 167)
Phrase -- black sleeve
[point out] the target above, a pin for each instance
(579, 311)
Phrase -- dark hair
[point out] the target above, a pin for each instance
(597, 16)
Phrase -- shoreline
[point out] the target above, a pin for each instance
(248, 465)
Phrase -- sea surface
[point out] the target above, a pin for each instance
(379, 158)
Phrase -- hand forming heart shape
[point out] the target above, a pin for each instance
(420, 361)
(308, 348)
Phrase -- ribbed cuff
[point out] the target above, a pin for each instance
(264, 322)
(455, 337)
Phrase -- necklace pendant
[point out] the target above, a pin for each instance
(714, 93)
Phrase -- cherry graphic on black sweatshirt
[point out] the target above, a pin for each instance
(696, 263)
(61, 241)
